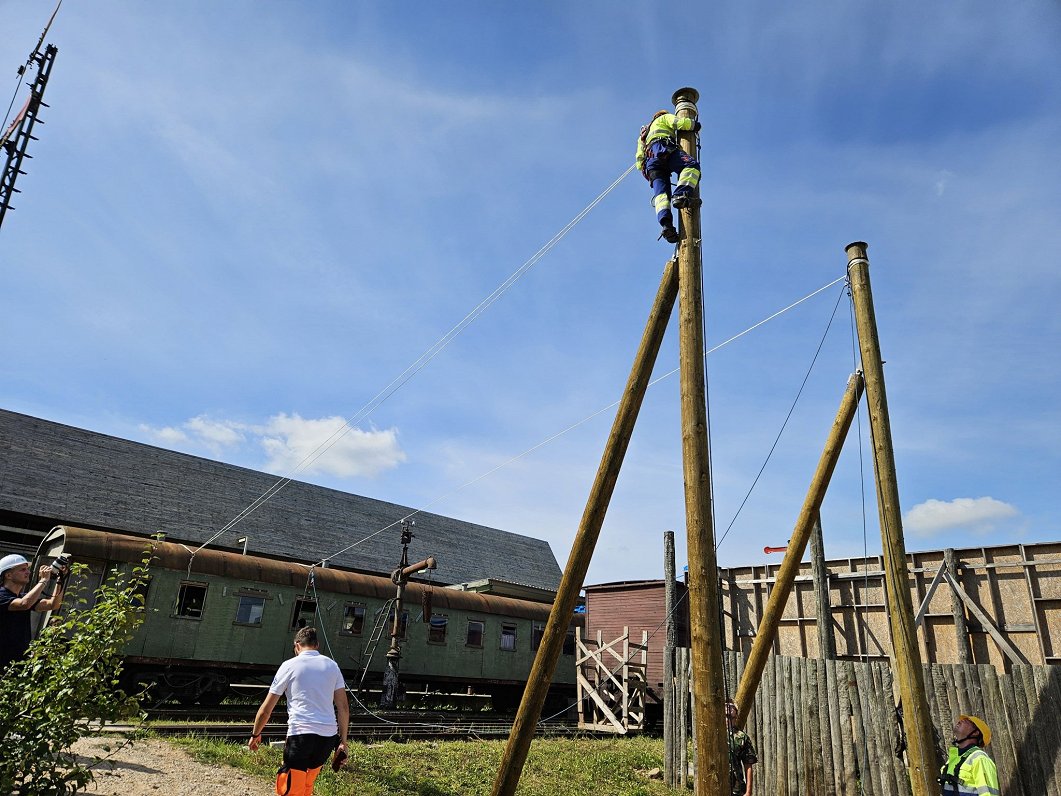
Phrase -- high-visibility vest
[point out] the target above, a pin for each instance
(665, 126)
(971, 773)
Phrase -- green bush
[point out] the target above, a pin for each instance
(67, 684)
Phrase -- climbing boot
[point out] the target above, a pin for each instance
(669, 234)
(685, 200)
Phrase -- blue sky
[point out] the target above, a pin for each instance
(244, 220)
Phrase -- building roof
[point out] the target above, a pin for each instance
(64, 474)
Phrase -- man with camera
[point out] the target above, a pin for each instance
(17, 600)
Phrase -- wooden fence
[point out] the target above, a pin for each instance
(829, 727)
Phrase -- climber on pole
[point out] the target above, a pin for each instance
(659, 156)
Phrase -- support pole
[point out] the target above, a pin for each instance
(961, 627)
(906, 655)
(826, 642)
(670, 774)
(797, 546)
(709, 726)
(563, 609)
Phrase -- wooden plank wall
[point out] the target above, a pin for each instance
(1017, 586)
(827, 727)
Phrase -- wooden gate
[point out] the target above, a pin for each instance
(611, 683)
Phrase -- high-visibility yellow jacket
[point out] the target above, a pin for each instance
(968, 773)
(665, 126)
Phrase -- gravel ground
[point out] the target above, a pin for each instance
(152, 767)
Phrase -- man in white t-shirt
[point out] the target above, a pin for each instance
(313, 684)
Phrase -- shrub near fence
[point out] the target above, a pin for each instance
(829, 727)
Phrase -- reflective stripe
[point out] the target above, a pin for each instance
(690, 177)
(661, 201)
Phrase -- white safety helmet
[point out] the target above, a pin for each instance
(10, 562)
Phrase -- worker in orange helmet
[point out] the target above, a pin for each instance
(969, 769)
(658, 156)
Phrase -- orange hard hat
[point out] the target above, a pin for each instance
(980, 724)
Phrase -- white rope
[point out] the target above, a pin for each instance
(581, 422)
(416, 366)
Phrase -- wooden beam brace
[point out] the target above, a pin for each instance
(928, 595)
(1008, 649)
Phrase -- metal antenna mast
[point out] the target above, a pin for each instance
(19, 133)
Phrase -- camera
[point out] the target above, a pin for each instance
(60, 569)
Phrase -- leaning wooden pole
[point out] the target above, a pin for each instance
(906, 655)
(797, 545)
(709, 724)
(563, 609)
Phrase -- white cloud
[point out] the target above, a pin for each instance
(979, 515)
(167, 435)
(289, 439)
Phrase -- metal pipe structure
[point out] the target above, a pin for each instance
(541, 674)
(797, 545)
(709, 724)
(906, 655)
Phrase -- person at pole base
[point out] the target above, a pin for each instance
(969, 769)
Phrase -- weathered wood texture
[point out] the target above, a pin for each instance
(611, 683)
(1017, 586)
(824, 726)
(640, 606)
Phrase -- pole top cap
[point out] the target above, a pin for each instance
(688, 94)
(856, 251)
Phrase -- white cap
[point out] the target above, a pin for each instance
(11, 561)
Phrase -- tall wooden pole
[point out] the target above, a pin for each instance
(906, 655)
(670, 773)
(709, 724)
(826, 642)
(797, 545)
(556, 627)
(961, 627)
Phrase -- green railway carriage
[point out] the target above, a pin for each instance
(219, 618)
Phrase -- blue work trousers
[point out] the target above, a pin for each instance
(664, 159)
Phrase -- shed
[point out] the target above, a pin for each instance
(641, 606)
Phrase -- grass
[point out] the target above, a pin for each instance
(555, 767)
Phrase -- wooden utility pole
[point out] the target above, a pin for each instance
(563, 609)
(709, 724)
(797, 545)
(906, 655)
(961, 626)
(670, 773)
(826, 642)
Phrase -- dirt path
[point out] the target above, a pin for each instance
(152, 767)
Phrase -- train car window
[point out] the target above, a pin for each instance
(191, 599)
(537, 634)
(436, 633)
(569, 642)
(250, 610)
(304, 614)
(508, 637)
(475, 633)
(353, 620)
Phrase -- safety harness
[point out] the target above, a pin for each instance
(949, 777)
